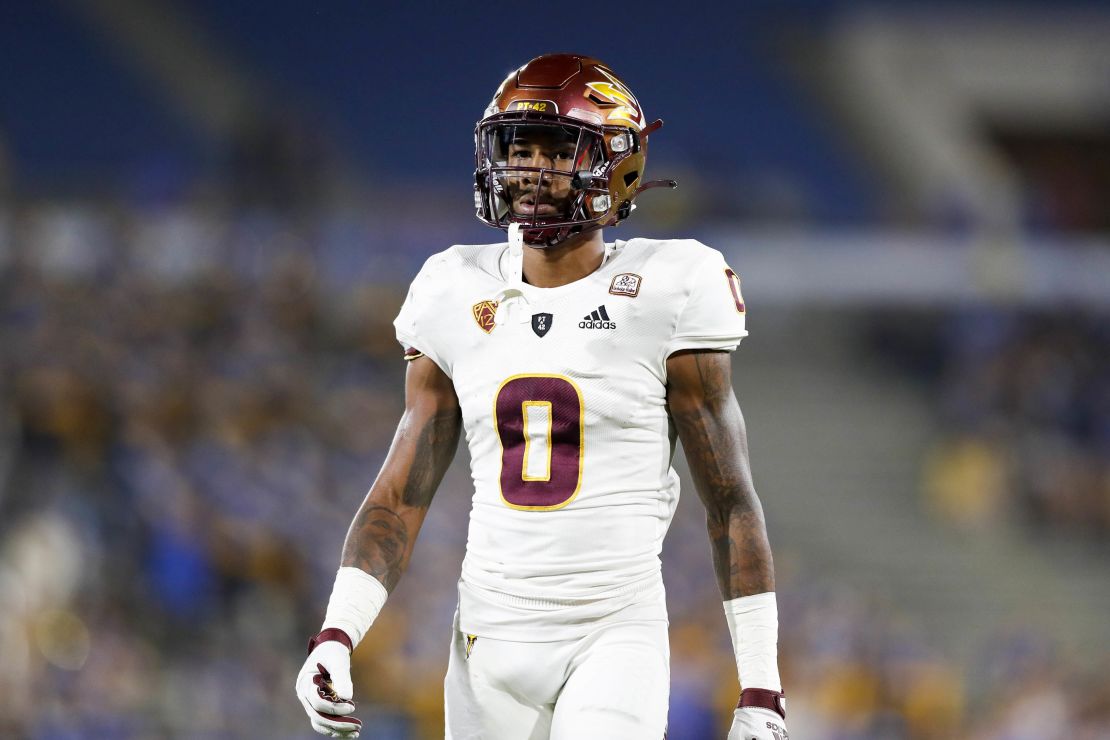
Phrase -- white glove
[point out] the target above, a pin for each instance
(325, 689)
(756, 723)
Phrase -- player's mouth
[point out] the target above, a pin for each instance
(528, 206)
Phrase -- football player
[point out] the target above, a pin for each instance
(571, 364)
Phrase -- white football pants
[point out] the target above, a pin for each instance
(613, 684)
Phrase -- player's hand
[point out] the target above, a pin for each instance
(756, 723)
(325, 689)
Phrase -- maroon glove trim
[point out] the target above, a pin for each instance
(764, 699)
(354, 721)
(322, 681)
(331, 633)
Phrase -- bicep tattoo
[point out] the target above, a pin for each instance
(434, 449)
(381, 536)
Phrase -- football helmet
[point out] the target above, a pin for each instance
(560, 150)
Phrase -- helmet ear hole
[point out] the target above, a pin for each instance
(631, 177)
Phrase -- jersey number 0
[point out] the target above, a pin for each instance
(539, 422)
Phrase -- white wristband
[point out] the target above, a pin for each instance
(753, 622)
(356, 599)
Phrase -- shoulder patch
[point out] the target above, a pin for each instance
(626, 284)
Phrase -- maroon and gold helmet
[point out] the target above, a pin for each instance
(560, 150)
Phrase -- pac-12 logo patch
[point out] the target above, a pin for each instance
(627, 283)
(483, 313)
(541, 323)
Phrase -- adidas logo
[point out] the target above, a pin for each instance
(597, 319)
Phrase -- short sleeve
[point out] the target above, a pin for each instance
(412, 325)
(714, 314)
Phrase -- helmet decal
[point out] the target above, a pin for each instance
(537, 106)
(617, 94)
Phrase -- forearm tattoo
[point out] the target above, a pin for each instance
(711, 427)
(377, 543)
(383, 532)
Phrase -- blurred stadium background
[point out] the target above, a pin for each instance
(209, 213)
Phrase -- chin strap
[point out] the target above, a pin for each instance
(516, 254)
(512, 295)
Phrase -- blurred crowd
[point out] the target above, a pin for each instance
(1024, 401)
(192, 404)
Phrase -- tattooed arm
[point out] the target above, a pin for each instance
(383, 532)
(379, 544)
(707, 417)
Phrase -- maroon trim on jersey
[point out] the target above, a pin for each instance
(764, 699)
(411, 353)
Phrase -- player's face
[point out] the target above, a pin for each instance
(541, 147)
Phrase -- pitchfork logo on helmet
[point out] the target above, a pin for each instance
(615, 93)
(560, 150)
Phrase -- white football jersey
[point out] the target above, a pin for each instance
(564, 406)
